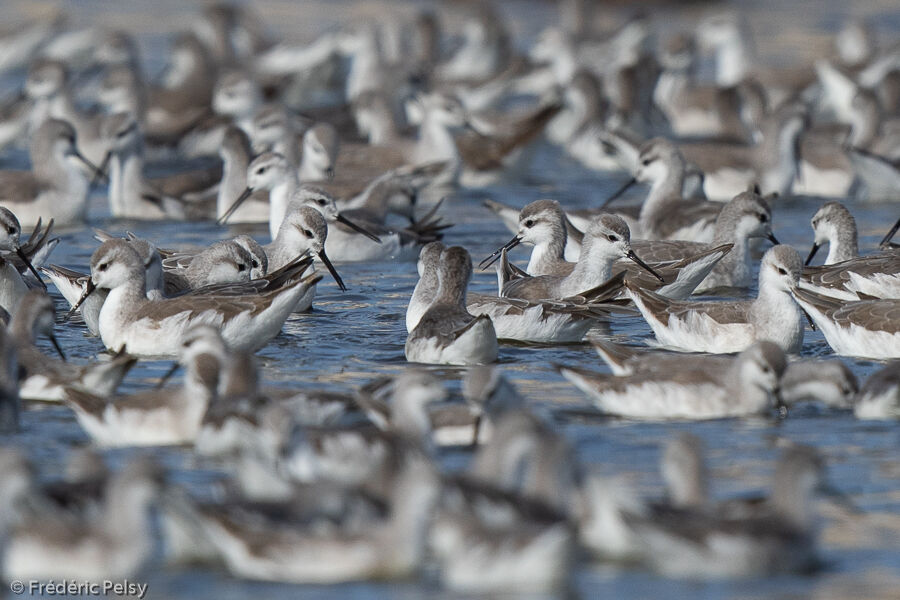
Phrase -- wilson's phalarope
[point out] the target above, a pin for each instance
(748, 385)
(665, 213)
(731, 326)
(54, 186)
(236, 98)
(248, 320)
(865, 328)
(302, 232)
(236, 155)
(223, 262)
(14, 282)
(447, 333)
(834, 225)
(830, 382)
(131, 193)
(268, 171)
(772, 163)
(426, 289)
(606, 240)
(43, 377)
(684, 265)
(776, 539)
(345, 241)
(876, 276)
(389, 546)
(113, 544)
(527, 457)
(528, 550)
(879, 397)
(157, 417)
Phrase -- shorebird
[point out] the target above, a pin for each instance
(236, 155)
(879, 397)
(777, 538)
(731, 326)
(54, 186)
(834, 225)
(157, 417)
(697, 389)
(114, 544)
(144, 327)
(864, 328)
(771, 163)
(606, 240)
(132, 194)
(14, 281)
(830, 382)
(447, 333)
(43, 377)
(295, 551)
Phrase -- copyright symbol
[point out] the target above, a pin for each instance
(16, 586)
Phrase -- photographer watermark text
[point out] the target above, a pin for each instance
(72, 587)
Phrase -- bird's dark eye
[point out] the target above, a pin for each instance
(11, 230)
(766, 369)
(612, 237)
(307, 233)
(529, 223)
(321, 201)
(241, 267)
(782, 271)
(646, 162)
(102, 267)
(262, 170)
(255, 264)
(763, 218)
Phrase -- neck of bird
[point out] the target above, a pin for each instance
(451, 290)
(593, 268)
(748, 395)
(732, 61)
(842, 247)
(124, 300)
(22, 327)
(547, 254)
(279, 197)
(234, 179)
(665, 188)
(126, 180)
(436, 142)
(279, 252)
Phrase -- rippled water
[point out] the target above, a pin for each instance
(355, 336)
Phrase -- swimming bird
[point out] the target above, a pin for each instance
(879, 397)
(156, 417)
(834, 225)
(144, 327)
(447, 333)
(700, 388)
(731, 326)
(777, 538)
(115, 543)
(606, 240)
(867, 328)
(43, 377)
(55, 186)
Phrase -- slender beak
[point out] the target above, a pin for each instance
(327, 262)
(812, 252)
(496, 255)
(88, 290)
(96, 170)
(21, 254)
(771, 237)
(342, 219)
(101, 170)
(643, 265)
(56, 345)
(167, 375)
(890, 233)
(619, 192)
(329, 172)
(240, 200)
